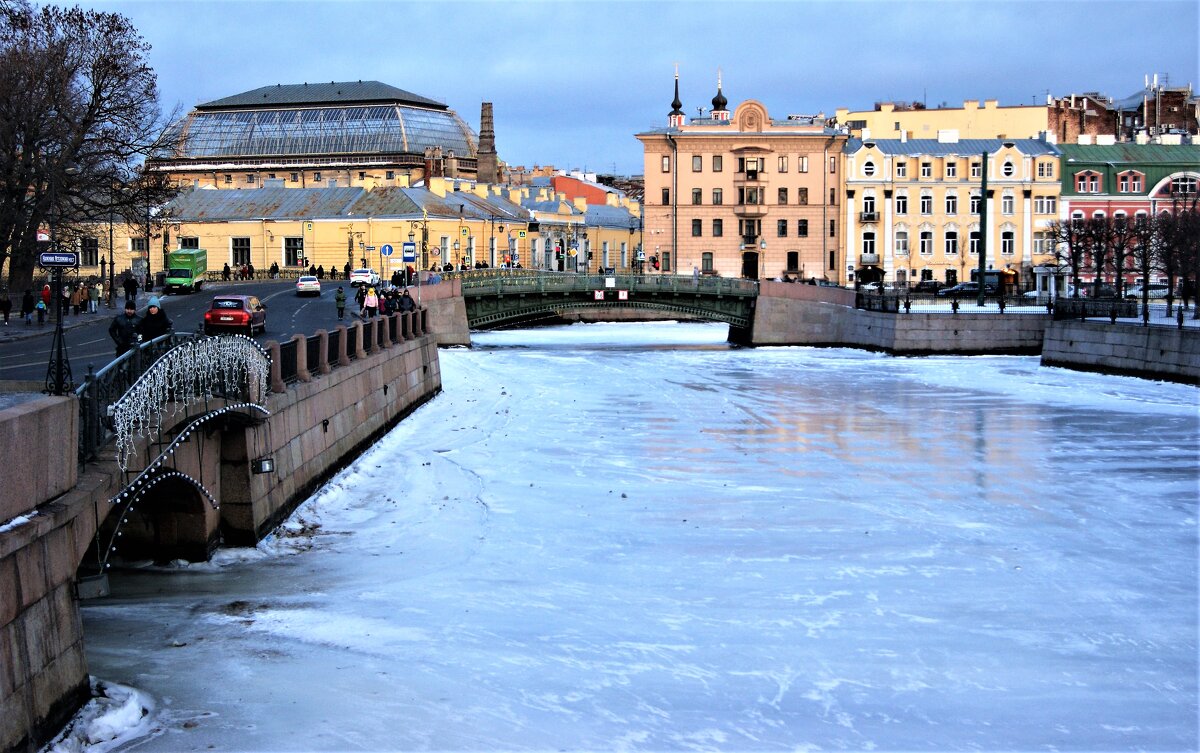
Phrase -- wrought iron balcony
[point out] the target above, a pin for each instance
(869, 260)
(868, 217)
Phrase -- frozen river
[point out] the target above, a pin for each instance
(631, 537)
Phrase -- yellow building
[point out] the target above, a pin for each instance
(971, 121)
(742, 194)
(913, 207)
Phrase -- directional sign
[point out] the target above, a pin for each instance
(370, 248)
(410, 251)
(59, 259)
(386, 250)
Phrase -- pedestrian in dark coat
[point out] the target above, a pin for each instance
(27, 307)
(407, 303)
(131, 288)
(5, 306)
(155, 323)
(124, 328)
(339, 299)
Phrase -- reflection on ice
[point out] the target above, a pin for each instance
(592, 541)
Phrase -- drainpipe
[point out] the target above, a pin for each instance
(674, 200)
(825, 207)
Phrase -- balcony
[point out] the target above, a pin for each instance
(869, 260)
(868, 216)
(750, 210)
(749, 241)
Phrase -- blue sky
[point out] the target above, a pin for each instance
(571, 82)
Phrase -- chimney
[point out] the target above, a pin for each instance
(487, 164)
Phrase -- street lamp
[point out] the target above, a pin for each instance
(424, 225)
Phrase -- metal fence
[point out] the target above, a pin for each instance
(287, 362)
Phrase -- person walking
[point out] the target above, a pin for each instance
(5, 306)
(93, 298)
(370, 303)
(124, 328)
(407, 303)
(226, 273)
(131, 288)
(155, 323)
(46, 295)
(27, 307)
(346, 269)
(79, 298)
(339, 300)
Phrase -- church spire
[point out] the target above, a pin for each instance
(719, 102)
(675, 117)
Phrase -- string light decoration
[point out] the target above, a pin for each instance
(194, 371)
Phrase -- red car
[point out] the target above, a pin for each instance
(238, 314)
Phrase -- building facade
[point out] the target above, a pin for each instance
(913, 209)
(742, 194)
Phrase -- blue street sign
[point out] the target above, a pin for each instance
(59, 259)
(386, 250)
(410, 251)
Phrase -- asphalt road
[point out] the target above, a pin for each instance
(25, 354)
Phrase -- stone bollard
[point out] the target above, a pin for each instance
(385, 331)
(356, 339)
(277, 384)
(324, 367)
(419, 322)
(343, 352)
(302, 372)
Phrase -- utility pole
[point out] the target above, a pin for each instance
(983, 232)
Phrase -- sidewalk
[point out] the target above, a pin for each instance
(17, 330)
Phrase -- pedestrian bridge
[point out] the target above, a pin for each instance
(502, 297)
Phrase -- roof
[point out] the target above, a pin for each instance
(962, 147)
(333, 93)
(729, 129)
(602, 215)
(261, 203)
(1131, 152)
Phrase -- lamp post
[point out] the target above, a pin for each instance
(424, 225)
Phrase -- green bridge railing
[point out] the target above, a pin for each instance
(503, 281)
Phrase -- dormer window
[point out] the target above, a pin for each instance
(1129, 181)
(1008, 170)
(1087, 182)
(869, 169)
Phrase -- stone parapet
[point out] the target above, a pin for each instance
(1158, 352)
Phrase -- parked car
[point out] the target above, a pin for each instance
(308, 285)
(927, 286)
(1154, 290)
(1089, 291)
(237, 314)
(964, 289)
(871, 287)
(364, 277)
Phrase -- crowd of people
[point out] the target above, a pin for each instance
(78, 298)
(128, 329)
(391, 300)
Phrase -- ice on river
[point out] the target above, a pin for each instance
(632, 537)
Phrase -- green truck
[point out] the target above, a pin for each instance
(186, 269)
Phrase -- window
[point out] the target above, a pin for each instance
(1007, 243)
(901, 169)
(228, 179)
(901, 203)
(139, 245)
(951, 169)
(718, 163)
(666, 261)
(89, 252)
(802, 164)
(833, 228)
(362, 175)
(293, 252)
(926, 204)
(868, 242)
(189, 241)
(926, 169)
(1008, 169)
(697, 230)
(271, 176)
(241, 251)
(1087, 182)
(802, 228)
(783, 164)
(973, 241)
(868, 204)
(926, 242)
(666, 196)
(697, 163)
(666, 164)
(869, 169)
(976, 169)
(390, 175)
(902, 243)
(1042, 243)
(718, 228)
(833, 196)
(1045, 169)
(1183, 185)
(951, 203)
(295, 178)
(706, 261)
(951, 243)
(250, 178)
(801, 195)
(1045, 204)
(793, 261)
(951, 276)
(975, 202)
(718, 197)
(696, 195)
(781, 228)
(316, 177)
(1006, 204)
(1135, 182)
(783, 196)
(833, 164)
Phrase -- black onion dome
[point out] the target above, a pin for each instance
(719, 101)
(676, 103)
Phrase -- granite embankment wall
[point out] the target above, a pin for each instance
(50, 508)
(1167, 353)
(447, 312)
(792, 314)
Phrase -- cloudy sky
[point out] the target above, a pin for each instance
(571, 82)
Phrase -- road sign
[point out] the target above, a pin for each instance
(386, 250)
(520, 233)
(516, 258)
(370, 248)
(410, 251)
(622, 295)
(598, 295)
(59, 259)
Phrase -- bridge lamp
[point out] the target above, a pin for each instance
(263, 465)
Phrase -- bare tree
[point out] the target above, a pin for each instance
(78, 116)
(1146, 254)
(1180, 243)
(1071, 241)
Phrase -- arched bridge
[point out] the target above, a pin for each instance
(510, 296)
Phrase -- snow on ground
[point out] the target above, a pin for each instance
(632, 537)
